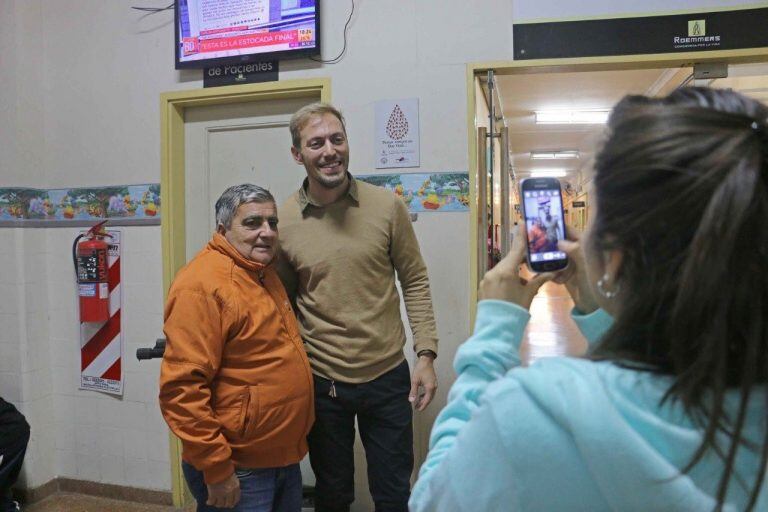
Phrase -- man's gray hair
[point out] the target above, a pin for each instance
(234, 196)
(301, 117)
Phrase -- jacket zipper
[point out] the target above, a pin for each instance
(332, 392)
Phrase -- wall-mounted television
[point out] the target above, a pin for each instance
(221, 32)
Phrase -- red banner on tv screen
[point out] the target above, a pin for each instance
(193, 45)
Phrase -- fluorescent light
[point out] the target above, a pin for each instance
(554, 155)
(548, 173)
(572, 116)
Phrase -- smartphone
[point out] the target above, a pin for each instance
(542, 205)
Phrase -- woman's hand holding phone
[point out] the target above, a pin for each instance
(574, 276)
(503, 282)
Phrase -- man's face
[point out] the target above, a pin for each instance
(324, 151)
(254, 231)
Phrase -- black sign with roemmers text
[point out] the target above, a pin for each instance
(705, 31)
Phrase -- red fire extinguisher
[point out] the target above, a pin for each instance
(90, 258)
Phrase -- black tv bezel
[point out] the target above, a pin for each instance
(244, 59)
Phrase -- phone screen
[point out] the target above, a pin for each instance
(545, 225)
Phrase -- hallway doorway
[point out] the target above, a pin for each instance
(515, 133)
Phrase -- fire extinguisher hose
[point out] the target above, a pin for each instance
(74, 252)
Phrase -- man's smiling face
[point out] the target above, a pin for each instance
(324, 151)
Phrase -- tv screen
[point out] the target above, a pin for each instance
(220, 32)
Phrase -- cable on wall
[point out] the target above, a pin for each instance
(154, 10)
(686, 81)
(338, 58)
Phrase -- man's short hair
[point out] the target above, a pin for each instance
(301, 117)
(233, 197)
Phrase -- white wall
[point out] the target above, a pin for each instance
(67, 121)
(99, 437)
(79, 96)
(24, 345)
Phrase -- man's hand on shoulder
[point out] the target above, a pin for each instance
(423, 377)
(224, 494)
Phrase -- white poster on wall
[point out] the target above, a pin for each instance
(397, 133)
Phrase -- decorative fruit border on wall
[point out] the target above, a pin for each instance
(426, 192)
(122, 205)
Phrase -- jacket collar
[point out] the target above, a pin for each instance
(220, 244)
(305, 199)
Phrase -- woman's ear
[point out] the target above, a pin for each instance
(613, 260)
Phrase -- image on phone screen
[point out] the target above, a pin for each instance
(545, 225)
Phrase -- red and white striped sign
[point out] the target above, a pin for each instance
(101, 344)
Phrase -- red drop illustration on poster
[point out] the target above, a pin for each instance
(397, 126)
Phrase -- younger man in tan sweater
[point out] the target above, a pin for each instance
(342, 242)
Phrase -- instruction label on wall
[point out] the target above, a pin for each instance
(397, 133)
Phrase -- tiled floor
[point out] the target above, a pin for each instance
(551, 331)
(67, 502)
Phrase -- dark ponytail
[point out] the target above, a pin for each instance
(681, 188)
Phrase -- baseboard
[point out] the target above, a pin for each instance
(38, 493)
(116, 492)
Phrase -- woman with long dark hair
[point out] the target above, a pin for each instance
(669, 409)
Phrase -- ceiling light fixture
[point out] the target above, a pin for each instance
(548, 173)
(554, 155)
(572, 116)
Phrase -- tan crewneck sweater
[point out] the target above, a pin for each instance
(338, 262)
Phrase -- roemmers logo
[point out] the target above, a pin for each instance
(697, 28)
(697, 37)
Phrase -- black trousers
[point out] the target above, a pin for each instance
(14, 436)
(385, 418)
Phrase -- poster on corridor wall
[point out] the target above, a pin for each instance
(397, 133)
(101, 344)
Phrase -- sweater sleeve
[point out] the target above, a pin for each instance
(592, 325)
(195, 332)
(412, 274)
(486, 356)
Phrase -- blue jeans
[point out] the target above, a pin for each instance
(261, 490)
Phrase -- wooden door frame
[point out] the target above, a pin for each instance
(172, 194)
(623, 62)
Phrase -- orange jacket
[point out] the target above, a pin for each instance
(235, 382)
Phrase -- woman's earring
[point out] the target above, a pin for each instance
(608, 294)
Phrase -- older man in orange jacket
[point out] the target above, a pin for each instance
(235, 383)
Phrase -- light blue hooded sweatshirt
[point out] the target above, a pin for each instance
(568, 434)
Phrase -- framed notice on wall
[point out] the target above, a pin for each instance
(397, 134)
